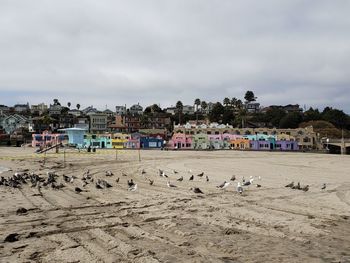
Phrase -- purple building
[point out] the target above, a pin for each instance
(287, 145)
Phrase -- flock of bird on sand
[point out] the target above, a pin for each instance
(25, 178)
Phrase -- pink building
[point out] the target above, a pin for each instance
(180, 141)
(47, 139)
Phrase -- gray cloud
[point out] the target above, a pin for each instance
(117, 52)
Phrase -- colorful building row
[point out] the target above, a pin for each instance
(230, 141)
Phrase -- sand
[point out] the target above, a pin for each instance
(159, 224)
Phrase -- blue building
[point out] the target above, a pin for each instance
(75, 136)
(151, 143)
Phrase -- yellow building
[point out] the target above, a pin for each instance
(119, 140)
(240, 144)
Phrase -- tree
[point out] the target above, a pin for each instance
(274, 116)
(226, 102)
(68, 104)
(154, 108)
(179, 107)
(312, 115)
(335, 116)
(56, 102)
(249, 96)
(291, 120)
(216, 113)
(234, 102)
(197, 102)
(204, 105)
(78, 106)
(239, 104)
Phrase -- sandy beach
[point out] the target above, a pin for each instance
(159, 224)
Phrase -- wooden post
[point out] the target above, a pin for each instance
(64, 157)
(139, 155)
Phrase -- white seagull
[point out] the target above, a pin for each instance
(239, 188)
(133, 188)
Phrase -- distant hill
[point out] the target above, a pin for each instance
(325, 129)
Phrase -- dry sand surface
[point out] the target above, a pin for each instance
(158, 224)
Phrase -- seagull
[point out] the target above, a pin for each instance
(175, 172)
(133, 188)
(109, 173)
(306, 188)
(196, 190)
(66, 178)
(151, 181)
(239, 188)
(170, 185)
(191, 178)
(233, 178)
(180, 179)
(131, 183)
(249, 182)
(207, 178)
(290, 185)
(323, 187)
(201, 174)
(224, 185)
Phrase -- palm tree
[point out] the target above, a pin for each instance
(204, 105)
(68, 104)
(226, 101)
(197, 102)
(234, 102)
(78, 106)
(179, 106)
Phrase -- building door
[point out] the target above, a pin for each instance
(102, 144)
(292, 146)
(179, 145)
(271, 146)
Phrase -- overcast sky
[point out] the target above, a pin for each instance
(160, 51)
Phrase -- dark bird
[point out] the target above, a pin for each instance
(207, 178)
(258, 185)
(151, 181)
(78, 190)
(191, 178)
(201, 174)
(296, 186)
(174, 171)
(131, 183)
(323, 187)
(143, 171)
(117, 180)
(290, 185)
(233, 178)
(180, 179)
(196, 190)
(306, 188)
(98, 186)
